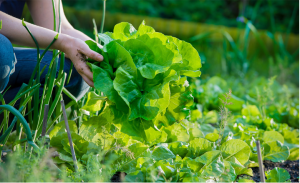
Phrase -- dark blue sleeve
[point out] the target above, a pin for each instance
(12, 7)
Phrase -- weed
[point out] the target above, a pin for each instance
(224, 114)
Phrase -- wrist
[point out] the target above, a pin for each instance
(63, 42)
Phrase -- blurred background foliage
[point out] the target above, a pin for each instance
(217, 12)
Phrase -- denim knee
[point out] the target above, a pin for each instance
(7, 61)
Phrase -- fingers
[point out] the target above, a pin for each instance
(88, 81)
(92, 55)
(84, 70)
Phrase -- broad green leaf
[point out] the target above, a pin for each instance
(60, 128)
(294, 154)
(167, 169)
(80, 145)
(124, 31)
(96, 130)
(195, 114)
(277, 175)
(235, 150)
(105, 38)
(229, 174)
(250, 110)
(236, 103)
(138, 149)
(198, 146)
(275, 151)
(143, 29)
(119, 57)
(193, 164)
(162, 152)
(100, 76)
(177, 59)
(189, 54)
(163, 57)
(213, 137)
(136, 176)
(291, 136)
(129, 155)
(93, 46)
(151, 103)
(125, 85)
(211, 117)
(195, 132)
(270, 136)
(141, 54)
(176, 132)
(65, 158)
(179, 148)
(213, 164)
(217, 81)
(143, 130)
(246, 171)
(93, 103)
(180, 99)
(207, 128)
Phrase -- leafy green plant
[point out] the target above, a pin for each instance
(277, 175)
(141, 71)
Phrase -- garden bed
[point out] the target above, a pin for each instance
(291, 166)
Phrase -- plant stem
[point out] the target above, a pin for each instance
(103, 18)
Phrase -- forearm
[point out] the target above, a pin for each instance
(13, 29)
(75, 33)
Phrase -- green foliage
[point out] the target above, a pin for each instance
(205, 11)
(21, 166)
(277, 175)
(276, 151)
(140, 76)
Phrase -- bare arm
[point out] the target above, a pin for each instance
(44, 8)
(75, 48)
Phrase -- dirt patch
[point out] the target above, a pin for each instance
(291, 166)
(118, 177)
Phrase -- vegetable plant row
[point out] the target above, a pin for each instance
(146, 124)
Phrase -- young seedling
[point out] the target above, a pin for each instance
(225, 114)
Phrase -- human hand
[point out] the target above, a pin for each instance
(77, 51)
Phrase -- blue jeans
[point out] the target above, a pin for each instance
(17, 65)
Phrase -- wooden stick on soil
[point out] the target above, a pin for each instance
(46, 110)
(261, 166)
(69, 135)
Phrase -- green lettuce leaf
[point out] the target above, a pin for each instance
(93, 103)
(270, 136)
(162, 152)
(275, 151)
(198, 146)
(277, 175)
(213, 164)
(235, 150)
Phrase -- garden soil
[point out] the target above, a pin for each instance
(291, 166)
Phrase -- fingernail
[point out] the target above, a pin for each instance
(100, 57)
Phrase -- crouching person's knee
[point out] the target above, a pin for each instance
(7, 61)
